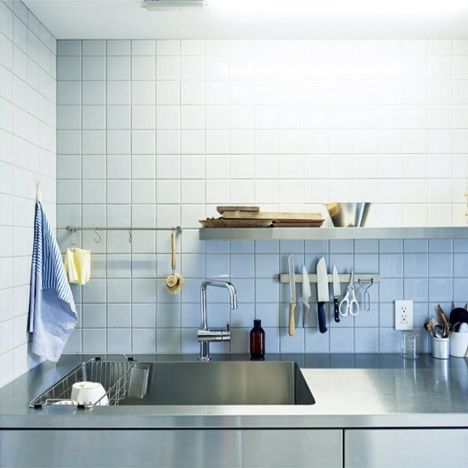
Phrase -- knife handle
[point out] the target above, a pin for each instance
(336, 310)
(292, 324)
(322, 320)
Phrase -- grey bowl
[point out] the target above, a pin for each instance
(348, 214)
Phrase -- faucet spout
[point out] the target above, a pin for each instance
(205, 335)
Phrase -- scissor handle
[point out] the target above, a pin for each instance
(345, 303)
(353, 307)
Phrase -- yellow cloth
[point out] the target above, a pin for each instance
(78, 265)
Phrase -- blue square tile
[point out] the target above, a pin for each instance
(316, 342)
(242, 266)
(266, 246)
(440, 289)
(420, 314)
(242, 246)
(292, 247)
(415, 265)
(366, 263)
(460, 290)
(341, 340)
(292, 344)
(390, 246)
(268, 265)
(390, 289)
(387, 315)
(460, 265)
(416, 289)
(460, 245)
(416, 245)
(389, 340)
(366, 340)
(316, 246)
(367, 318)
(440, 245)
(342, 246)
(366, 246)
(343, 262)
(391, 265)
(440, 265)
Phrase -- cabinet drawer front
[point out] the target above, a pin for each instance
(171, 448)
(406, 448)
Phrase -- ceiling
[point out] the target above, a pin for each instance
(256, 19)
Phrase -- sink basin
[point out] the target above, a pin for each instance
(225, 383)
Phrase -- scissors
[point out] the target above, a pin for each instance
(349, 305)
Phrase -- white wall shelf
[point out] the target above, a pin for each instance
(335, 233)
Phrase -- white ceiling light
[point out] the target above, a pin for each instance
(340, 7)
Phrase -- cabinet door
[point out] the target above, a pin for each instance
(171, 448)
(406, 448)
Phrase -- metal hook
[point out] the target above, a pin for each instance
(98, 237)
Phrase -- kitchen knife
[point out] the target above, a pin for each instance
(292, 296)
(322, 293)
(336, 293)
(306, 293)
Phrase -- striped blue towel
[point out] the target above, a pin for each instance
(52, 312)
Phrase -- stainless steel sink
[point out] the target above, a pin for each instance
(225, 383)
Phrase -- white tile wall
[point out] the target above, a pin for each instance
(157, 133)
(27, 157)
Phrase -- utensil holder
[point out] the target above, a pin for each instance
(440, 348)
(458, 344)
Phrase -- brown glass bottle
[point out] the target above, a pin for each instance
(257, 341)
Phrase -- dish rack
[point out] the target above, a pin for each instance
(115, 376)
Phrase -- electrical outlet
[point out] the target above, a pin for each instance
(403, 315)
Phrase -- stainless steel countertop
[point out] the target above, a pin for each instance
(350, 391)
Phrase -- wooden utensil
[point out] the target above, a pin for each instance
(174, 281)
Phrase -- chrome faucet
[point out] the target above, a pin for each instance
(205, 335)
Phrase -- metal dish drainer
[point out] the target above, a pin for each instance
(116, 377)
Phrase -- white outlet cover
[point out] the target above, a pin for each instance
(403, 315)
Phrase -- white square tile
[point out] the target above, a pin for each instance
(118, 67)
(143, 117)
(143, 68)
(94, 92)
(143, 142)
(168, 117)
(191, 68)
(168, 142)
(94, 47)
(118, 117)
(192, 92)
(118, 92)
(168, 47)
(118, 47)
(168, 92)
(94, 68)
(193, 118)
(143, 47)
(143, 92)
(168, 68)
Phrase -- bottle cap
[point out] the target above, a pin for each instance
(257, 323)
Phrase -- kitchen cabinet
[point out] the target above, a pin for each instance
(406, 448)
(288, 448)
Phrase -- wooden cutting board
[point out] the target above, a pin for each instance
(244, 209)
(235, 214)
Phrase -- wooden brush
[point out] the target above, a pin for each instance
(174, 281)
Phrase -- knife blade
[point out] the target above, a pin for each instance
(292, 296)
(322, 293)
(336, 293)
(306, 293)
